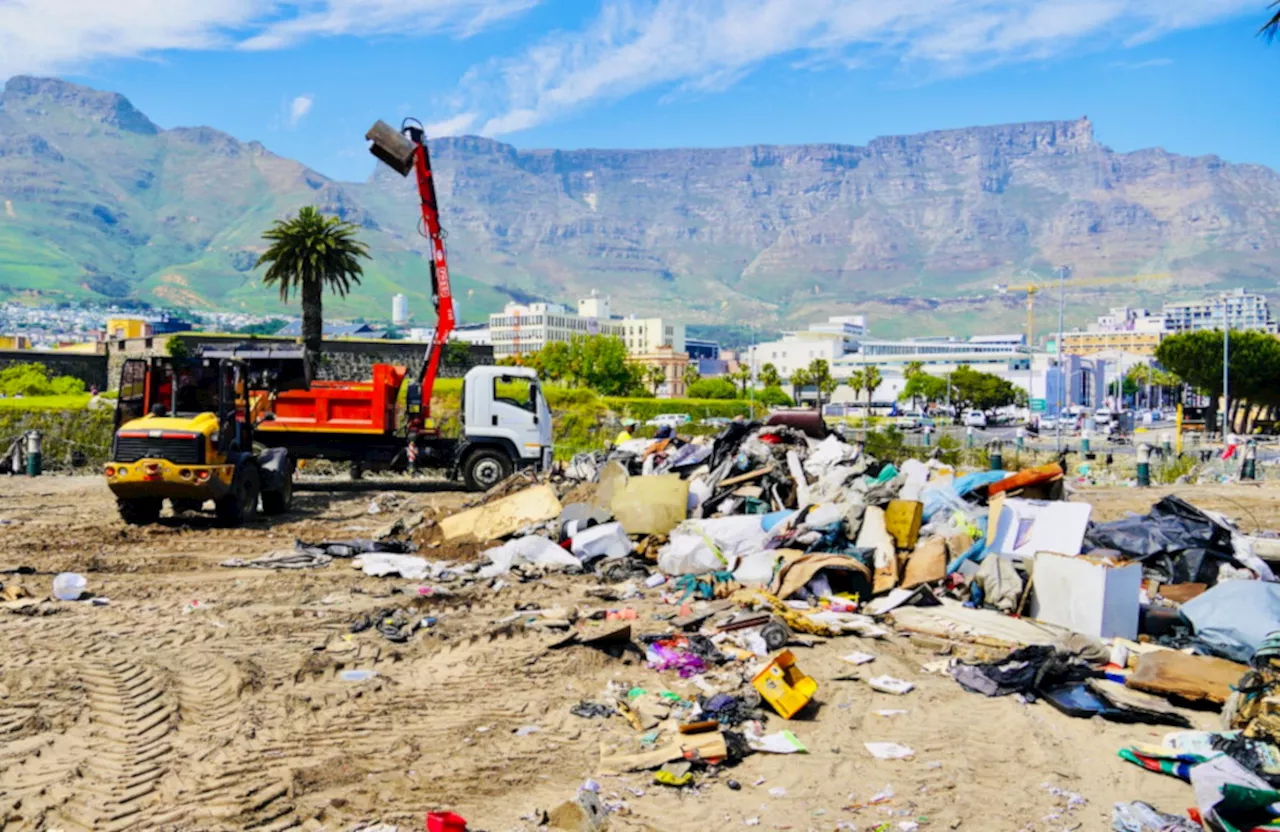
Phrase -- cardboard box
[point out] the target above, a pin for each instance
(902, 520)
(1088, 595)
(1018, 529)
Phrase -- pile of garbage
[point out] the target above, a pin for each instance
(768, 536)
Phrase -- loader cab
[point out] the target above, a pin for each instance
(164, 391)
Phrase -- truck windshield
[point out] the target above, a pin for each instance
(516, 391)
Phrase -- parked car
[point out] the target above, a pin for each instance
(1048, 423)
(715, 421)
(975, 419)
(673, 419)
(1102, 417)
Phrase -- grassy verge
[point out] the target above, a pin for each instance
(73, 402)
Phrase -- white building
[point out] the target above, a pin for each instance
(525, 328)
(399, 310)
(795, 351)
(1242, 310)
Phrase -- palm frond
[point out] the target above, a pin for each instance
(1271, 28)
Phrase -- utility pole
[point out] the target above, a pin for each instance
(1062, 305)
(1226, 351)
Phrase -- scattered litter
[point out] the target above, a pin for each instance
(858, 658)
(888, 684)
(68, 586)
(889, 751)
(357, 675)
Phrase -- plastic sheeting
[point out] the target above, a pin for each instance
(533, 549)
(716, 544)
(950, 495)
(1175, 541)
(1233, 618)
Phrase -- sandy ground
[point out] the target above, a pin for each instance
(203, 697)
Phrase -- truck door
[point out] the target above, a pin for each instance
(132, 403)
(515, 414)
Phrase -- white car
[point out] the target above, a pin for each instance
(673, 419)
(1102, 417)
(975, 419)
(1048, 423)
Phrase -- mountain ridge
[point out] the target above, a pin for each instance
(107, 204)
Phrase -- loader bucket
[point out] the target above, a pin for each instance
(391, 146)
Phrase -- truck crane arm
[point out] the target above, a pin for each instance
(405, 151)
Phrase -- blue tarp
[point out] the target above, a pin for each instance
(1233, 618)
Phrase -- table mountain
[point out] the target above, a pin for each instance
(99, 202)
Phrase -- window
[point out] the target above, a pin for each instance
(515, 391)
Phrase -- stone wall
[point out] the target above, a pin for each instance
(341, 359)
(88, 367)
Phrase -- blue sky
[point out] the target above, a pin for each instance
(307, 77)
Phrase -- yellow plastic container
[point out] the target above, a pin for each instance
(784, 686)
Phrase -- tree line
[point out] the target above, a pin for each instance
(1195, 359)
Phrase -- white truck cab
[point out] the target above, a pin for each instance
(506, 425)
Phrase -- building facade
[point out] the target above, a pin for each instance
(1240, 310)
(399, 310)
(672, 362)
(520, 329)
(1088, 343)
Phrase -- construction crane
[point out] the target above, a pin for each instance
(1032, 289)
(405, 151)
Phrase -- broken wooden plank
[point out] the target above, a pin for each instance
(747, 477)
(504, 516)
(1194, 678)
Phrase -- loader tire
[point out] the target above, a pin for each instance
(240, 505)
(279, 502)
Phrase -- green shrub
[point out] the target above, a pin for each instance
(32, 379)
(774, 397)
(67, 386)
(644, 409)
(713, 388)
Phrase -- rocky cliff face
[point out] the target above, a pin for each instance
(105, 200)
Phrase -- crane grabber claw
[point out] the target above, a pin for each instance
(392, 147)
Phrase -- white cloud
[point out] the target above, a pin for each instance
(298, 109)
(455, 126)
(48, 36)
(685, 46)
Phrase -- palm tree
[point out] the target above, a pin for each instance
(912, 368)
(799, 380)
(742, 376)
(307, 254)
(857, 380)
(870, 381)
(690, 374)
(1272, 26)
(656, 376)
(769, 375)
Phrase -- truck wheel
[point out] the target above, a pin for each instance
(485, 469)
(240, 505)
(141, 511)
(279, 502)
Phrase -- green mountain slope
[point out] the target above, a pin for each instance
(98, 202)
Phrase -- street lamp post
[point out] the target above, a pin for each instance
(1062, 304)
(1226, 351)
